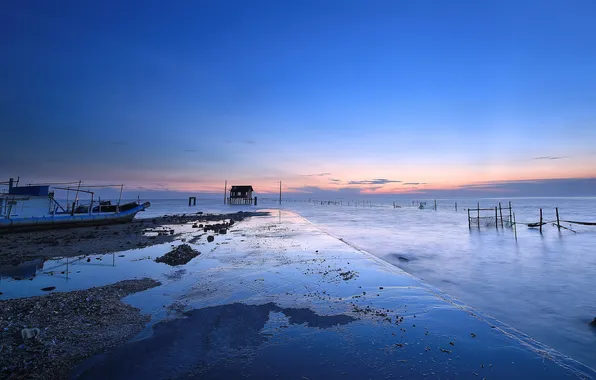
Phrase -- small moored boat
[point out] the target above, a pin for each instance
(35, 207)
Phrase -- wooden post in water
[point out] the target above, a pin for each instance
(435, 205)
(478, 215)
(280, 192)
(510, 220)
(496, 219)
(514, 226)
(540, 220)
(558, 224)
(501, 214)
(469, 221)
(455, 206)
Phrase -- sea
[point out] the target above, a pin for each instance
(542, 283)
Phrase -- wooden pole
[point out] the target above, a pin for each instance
(558, 224)
(501, 214)
(77, 194)
(478, 215)
(510, 211)
(540, 220)
(280, 192)
(435, 205)
(455, 206)
(514, 226)
(469, 221)
(225, 190)
(119, 198)
(496, 219)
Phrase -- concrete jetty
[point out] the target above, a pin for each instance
(281, 299)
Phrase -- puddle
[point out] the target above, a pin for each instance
(204, 337)
(83, 272)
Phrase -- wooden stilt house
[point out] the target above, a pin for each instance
(241, 195)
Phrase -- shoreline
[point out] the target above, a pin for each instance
(19, 247)
(278, 283)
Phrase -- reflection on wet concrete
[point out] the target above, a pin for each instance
(203, 339)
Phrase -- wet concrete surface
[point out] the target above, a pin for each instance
(284, 300)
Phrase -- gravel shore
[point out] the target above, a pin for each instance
(16, 248)
(44, 337)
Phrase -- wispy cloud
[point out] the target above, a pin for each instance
(334, 180)
(549, 158)
(413, 183)
(376, 181)
(316, 175)
(248, 142)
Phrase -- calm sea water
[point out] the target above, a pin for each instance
(541, 284)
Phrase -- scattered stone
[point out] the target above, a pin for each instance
(210, 238)
(30, 333)
(348, 275)
(380, 287)
(195, 226)
(401, 258)
(180, 255)
(48, 288)
(593, 323)
(223, 231)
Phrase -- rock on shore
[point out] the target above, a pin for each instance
(180, 255)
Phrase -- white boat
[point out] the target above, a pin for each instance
(33, 207)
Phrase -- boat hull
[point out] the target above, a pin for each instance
(69, 221)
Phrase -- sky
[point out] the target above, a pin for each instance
(344, 97)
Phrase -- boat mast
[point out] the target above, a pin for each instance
(119, 199)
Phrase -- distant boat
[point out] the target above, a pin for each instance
(34, 207)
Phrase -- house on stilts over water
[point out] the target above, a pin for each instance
(241, 195)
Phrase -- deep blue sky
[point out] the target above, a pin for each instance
(185, 94)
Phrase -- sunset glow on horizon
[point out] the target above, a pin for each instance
(366, 97)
